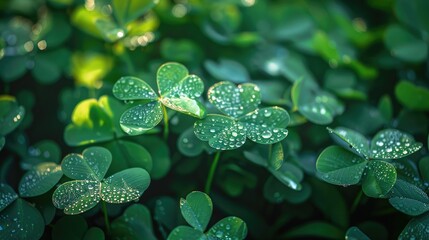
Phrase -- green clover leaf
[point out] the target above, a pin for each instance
(361, 161)
(89, 187)
(19, 219)
(177, 90)
(94, 121)
(40, 179)
(234, 101)
(243, 119)
(197, 210)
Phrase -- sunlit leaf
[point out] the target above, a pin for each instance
(91, 165)
(141, 118)
(132, 88)
(128, 10)
(125, 186)
(234, 101)
(77, 196)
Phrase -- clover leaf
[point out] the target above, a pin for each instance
(94, 121)
(177, 90)
(197, 210)
(89, 186)
(11, 115)
(360, 161)
(243, 119)
(19, 219)
(42, 178)
(134, 223)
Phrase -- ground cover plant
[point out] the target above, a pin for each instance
(216, 120)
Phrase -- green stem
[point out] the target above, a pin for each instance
(106, 217)
(127, 59)
(356, 201)
(213, 167)
(164, 112)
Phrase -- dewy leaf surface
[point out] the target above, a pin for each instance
(125, 186)
(339, 166)
(21, 221)
(132, 88)
(77, 196)
(178, 89)
(91, 165)
(197, 209)
(228, 228)
(266, 125)
(378, 179)
(393, 144)
(7, 196)
(40, 179)
(351, 139)
(234, 101)
(141, 118)
(222, 132)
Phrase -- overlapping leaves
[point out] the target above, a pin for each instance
(242, 118)
(19, 219)
(177, 89)
(197, 210)
(89, 186)
(364, 161)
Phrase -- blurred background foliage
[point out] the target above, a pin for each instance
(357, 64)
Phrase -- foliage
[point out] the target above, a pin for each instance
(115, 113)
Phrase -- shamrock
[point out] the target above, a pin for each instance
(367, 161)
(89, 186)
(177, 90)
(197, 210)
(243, 119)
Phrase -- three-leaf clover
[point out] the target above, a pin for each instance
(197, 210)
(18, 218)
(90, 186)
(177, 90)
(367, 161)
(243, 119)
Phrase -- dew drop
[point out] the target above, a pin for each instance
(266, 134)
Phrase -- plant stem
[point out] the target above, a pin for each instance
(164, 112)
(127, 59)
(213, 167)
(106, 217)
(356, 201)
